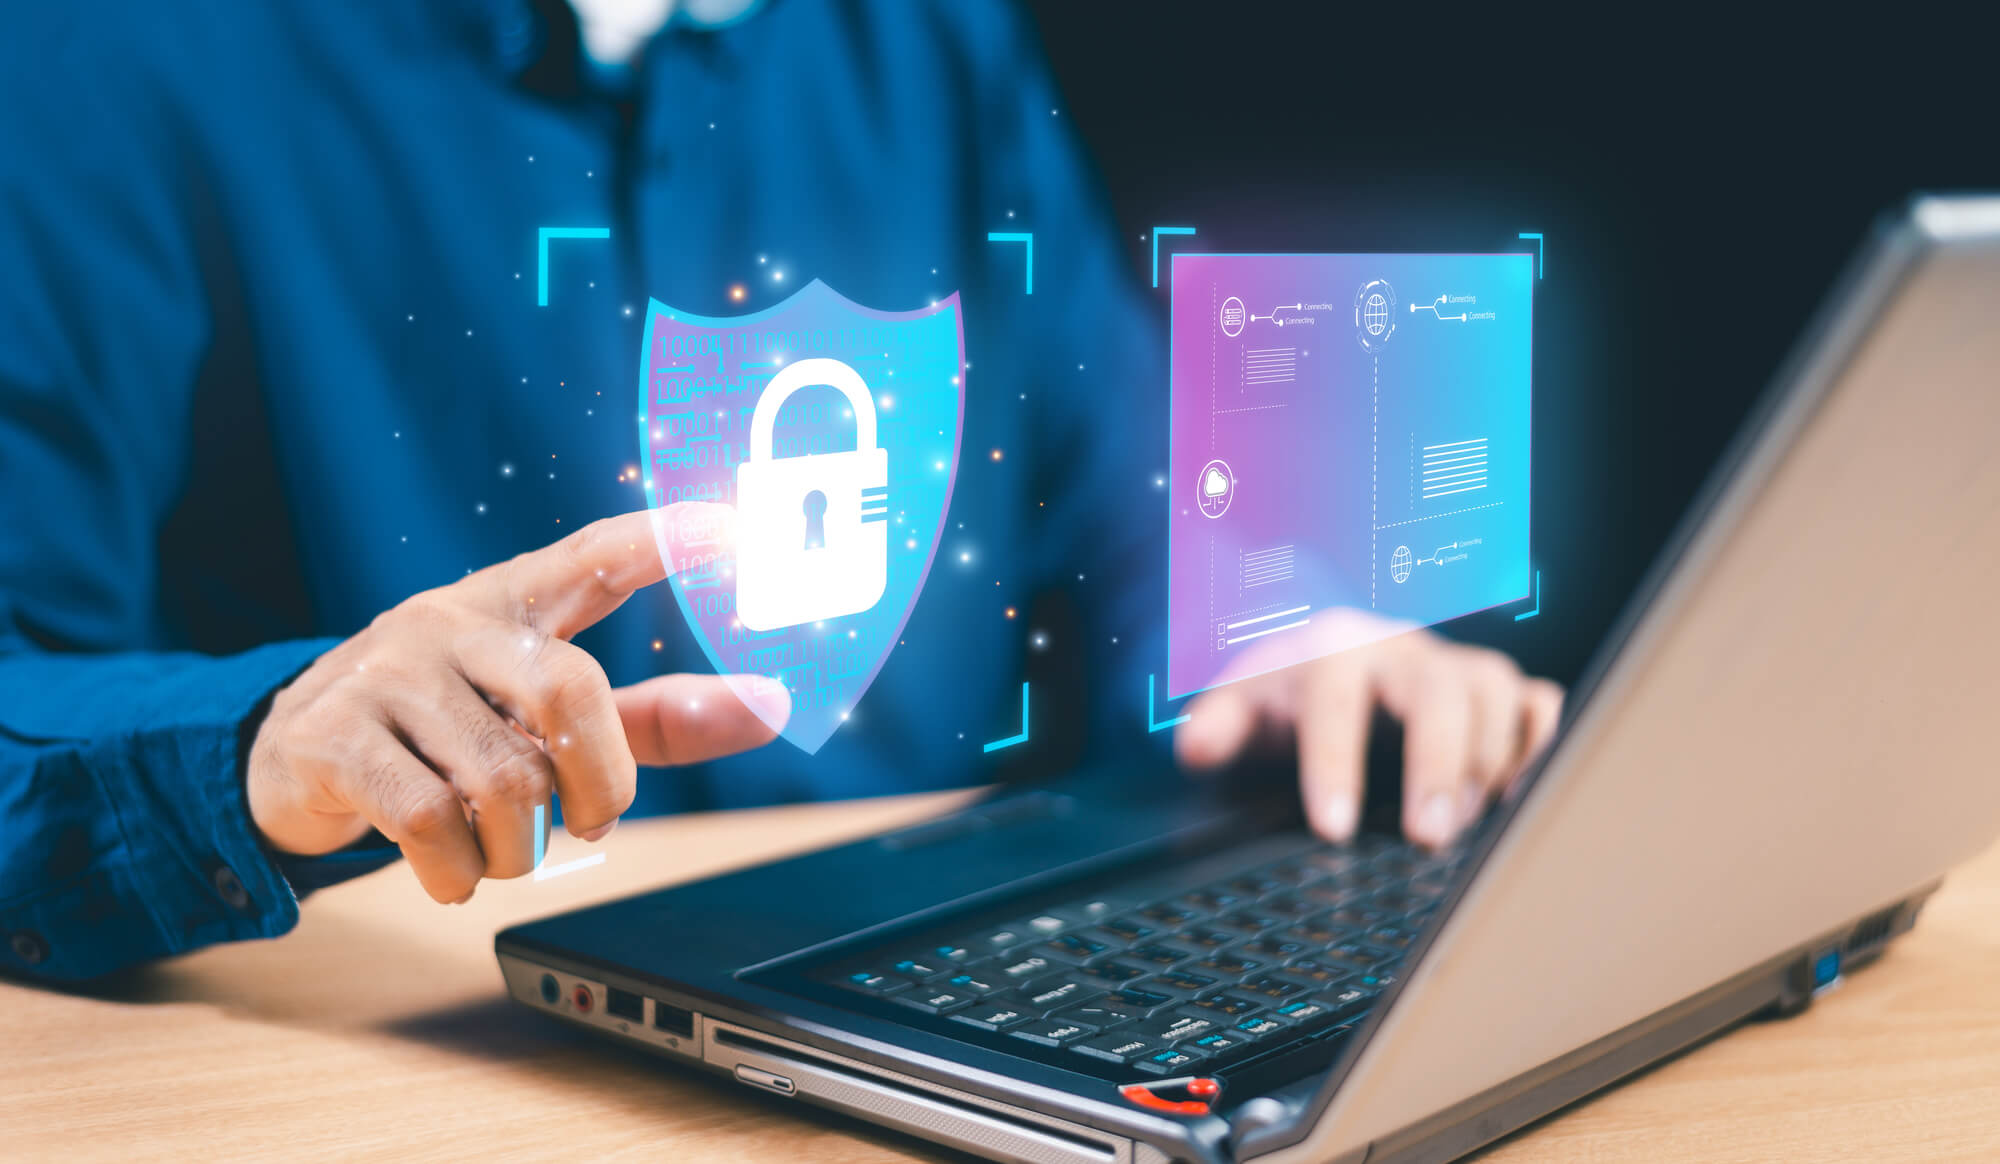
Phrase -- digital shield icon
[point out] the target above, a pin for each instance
(834, 430)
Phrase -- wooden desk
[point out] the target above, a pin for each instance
(378, 1029)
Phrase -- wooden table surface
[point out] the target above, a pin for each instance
(379, 1029)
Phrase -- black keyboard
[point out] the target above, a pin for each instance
(1170, 975)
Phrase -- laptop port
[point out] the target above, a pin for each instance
(582, 998)
(625, 1005)
(673, 1020)
(551, 989)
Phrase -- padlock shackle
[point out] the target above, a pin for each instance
(810, 374)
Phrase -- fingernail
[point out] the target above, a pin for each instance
(1435, 819)
(467, 897)
(1471, 803)
(1338, 815)
(601, 831)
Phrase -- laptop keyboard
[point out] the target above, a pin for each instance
(1193, 977)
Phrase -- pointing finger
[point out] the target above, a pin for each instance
(566, 587)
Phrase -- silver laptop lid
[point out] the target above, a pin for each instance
(1792, 726)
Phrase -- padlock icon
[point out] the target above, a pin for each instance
(812, 531)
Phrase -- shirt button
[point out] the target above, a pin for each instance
(230, 886)
(29, 947)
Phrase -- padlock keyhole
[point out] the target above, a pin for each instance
(814, 504)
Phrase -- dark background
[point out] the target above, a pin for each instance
(1701, 180)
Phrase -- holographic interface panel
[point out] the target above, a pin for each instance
(1350, 452)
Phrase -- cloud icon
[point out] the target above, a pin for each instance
(1214, 484)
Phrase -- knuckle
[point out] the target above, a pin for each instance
(571, 681)
(522, 777)
(426, 813)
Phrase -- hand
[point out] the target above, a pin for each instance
(1471, 723)
(451, 717)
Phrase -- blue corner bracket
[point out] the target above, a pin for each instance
(1018, 237)
(1010, 741)
(1153, 722)
(542, 253)
(1541, 250)
(1538, 600)
(1157, 232)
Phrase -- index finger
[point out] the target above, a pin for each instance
(566, 587)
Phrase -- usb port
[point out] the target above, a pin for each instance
(624, 1004)
(673, 1020)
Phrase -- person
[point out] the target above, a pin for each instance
(321, 546)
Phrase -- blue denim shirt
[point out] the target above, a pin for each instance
(273, 363)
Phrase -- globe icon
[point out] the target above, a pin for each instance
(1375, 317)
(1399, 564)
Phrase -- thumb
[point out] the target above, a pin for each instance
(685, 719)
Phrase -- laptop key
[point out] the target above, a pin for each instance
(1181, 982)
(992, 1016)
(1306, 1012)
(1247, 921)
(1169, 914)
(1172, 1028)
(1072, 948)
(953, 952)
(920, 970)
(932, 1001)
(1001, 940)
(1110, 972)
(1209, 900)
(1276, 949)
(1391, 937)
(1224, 1006)
(1315, 931)
(975, 984)
(1141, 999)
(1269, 986)
(1227, 963)
(1258, 1026)
(1205, 939)
(1118, 1048)
(1347, 1000)
(1221, 1042)
(1100, 1013)
(1159, 954)
(1052, 1032)
(1319, 971)
(1127, 929)
(1046, 994)
(1353, 951)
(1288, 906)
(1018, 969)
(869, 982)
(1171, 1061)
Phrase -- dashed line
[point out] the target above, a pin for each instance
(1374, 465)
(1248, 408)
(1434, 516)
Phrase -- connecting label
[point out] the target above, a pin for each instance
(1350, 452)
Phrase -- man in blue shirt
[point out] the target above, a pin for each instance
(275, 397)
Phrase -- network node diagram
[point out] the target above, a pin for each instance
(1384, 483)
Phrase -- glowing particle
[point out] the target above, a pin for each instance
(506, 468)
(479, 508)
(778, 276)
(737, 291)
(1038, 640)
(911, 544)
(965, 555)
(657, 644)
(888, 401)
(628, 311)
(996, 454)
(1010, 612)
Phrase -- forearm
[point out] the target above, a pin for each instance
(124, 835)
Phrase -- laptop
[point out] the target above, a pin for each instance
(1766, 770)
